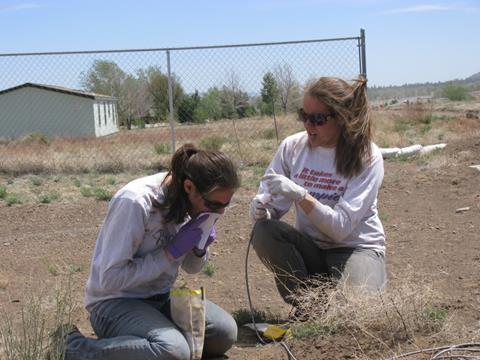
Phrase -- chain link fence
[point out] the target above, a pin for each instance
(127, 110)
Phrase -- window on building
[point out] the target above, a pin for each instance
(115, 119)
(99, 115)
(105, 112)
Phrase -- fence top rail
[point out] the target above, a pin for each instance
(177, 48)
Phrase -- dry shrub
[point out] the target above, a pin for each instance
(135, 150)
(25, 334)
(404, 311)
(419, 112)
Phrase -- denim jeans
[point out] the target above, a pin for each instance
(294, 257)
(134, 329)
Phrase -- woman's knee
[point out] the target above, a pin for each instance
(170, 345)
(221, 332)
(365, 269)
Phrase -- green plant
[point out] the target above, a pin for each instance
(384, 216)
(404, 157)
(437, 314)
(311, 329)
(72, 268)
(48, 198)
(102, 194)
(425, 129)
(36, 181)
(161, 149)
(209, 268)
(140, 123)
(402, 124)
(77, 183)
(455, 92)
(53, 270)
(212, 142)
(269, 134)
(3, 192)
(86, 191)
(244, 316)
(44, 198)
(12, 199)
(110, 180)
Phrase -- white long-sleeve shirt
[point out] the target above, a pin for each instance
(345, 214)
(129, 259)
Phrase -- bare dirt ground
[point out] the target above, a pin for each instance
(418, 203)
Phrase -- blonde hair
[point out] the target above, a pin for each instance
(349, 103)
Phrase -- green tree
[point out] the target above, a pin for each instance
(158, 88)
(234, 101)
(107, 78)
(455, 92)
(131, 91)
(210, 106)
(269, 93)
(104, 77)
(187, 107)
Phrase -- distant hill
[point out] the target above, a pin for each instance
(420, 89)
(474, 77)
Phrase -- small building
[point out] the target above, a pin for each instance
(55, 112)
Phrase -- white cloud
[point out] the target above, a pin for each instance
(18, 7)
(417, 8)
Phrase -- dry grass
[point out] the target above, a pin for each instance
(408, 310)
(251, 141)
(25, 335)
(247, 140)
(421, 124)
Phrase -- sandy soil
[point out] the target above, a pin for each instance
(418, 203)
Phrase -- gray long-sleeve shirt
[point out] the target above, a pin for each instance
(345, 213)
(129, 259)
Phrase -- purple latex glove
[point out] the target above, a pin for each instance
(210, 239)
(187, 237)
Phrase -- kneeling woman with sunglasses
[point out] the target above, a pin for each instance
(152, 227)
(331, 172)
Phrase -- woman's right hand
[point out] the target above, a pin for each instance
(258, 210)
(187, 237)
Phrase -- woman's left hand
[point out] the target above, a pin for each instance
(210, 239)
(281, 185)
(187, 237)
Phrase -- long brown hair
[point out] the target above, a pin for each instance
(208, 170)
(349, 103)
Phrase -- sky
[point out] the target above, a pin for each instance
(407, 41)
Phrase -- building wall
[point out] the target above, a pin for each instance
(31, 110)
(105, 117)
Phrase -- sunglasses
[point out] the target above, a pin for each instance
(214, 205)
(315, 119)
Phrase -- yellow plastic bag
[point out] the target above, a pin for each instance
(187, 308)
(270, 331)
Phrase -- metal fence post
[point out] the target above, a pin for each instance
(170, 102)
(362, 54)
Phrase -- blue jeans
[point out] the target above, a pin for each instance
(294, 257)
(134, 329)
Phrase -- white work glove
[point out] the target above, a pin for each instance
(258, 210)
(281, 185)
